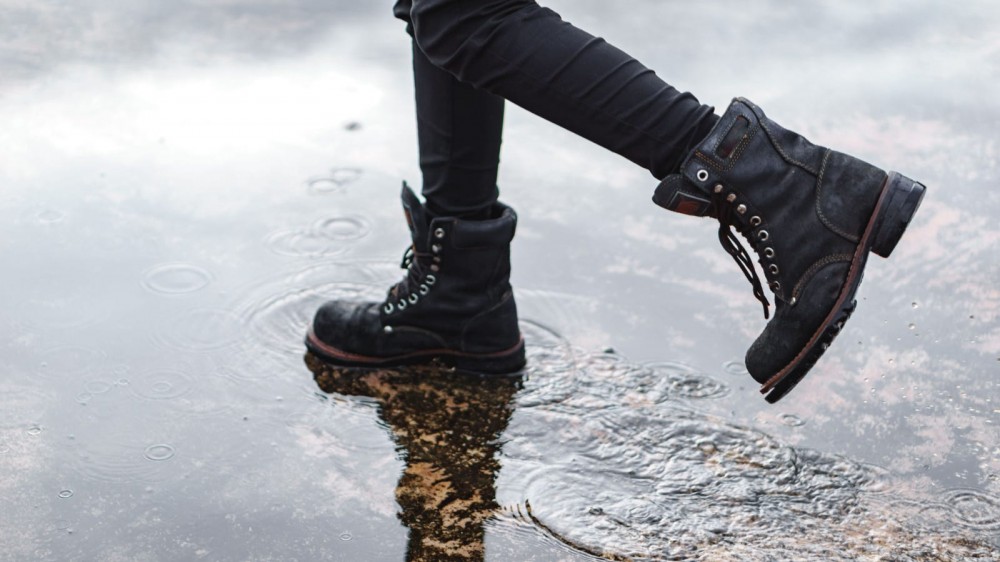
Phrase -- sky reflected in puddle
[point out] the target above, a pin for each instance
(182, 185)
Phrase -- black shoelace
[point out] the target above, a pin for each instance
(727, 220)
(416, 266)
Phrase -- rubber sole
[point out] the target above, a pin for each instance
(893, 212)
(502, 362)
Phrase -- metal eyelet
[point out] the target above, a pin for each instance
(401, 304)
(775, 286)
(742, 209)
(436, 248)
(424, 289)
(763, 235)
(718, 188)
(793, 301)
(388, 308)
(773, 268)
(430, 280)
(414, 298)
(439, 233)
(387, 329)
(731, 197)
(435, 268)
(702, 175)
(769, 252)
(755, 221)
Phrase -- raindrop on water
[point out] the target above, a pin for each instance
(346, 536)
(34, 430)
(175, 278)
(66, 494)
(791, 420)
(160, 452)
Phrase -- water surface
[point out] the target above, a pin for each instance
(181, 186)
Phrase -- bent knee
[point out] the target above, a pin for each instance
(453, 32)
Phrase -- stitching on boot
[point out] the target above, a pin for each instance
(710, 161)
(781, 151)
(814, 269)
(819, 202)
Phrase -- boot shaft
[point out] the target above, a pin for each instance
(800, 205)
(460, 268)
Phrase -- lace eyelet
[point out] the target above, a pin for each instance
(773, 268)
(436, 248)
(718, 188)
(414, 298)
(401, 304)
(742, 209)
(424, 289)
(439, 233)
(755, 221)
(430, 280)
(435, 268)
(702, 175)
(775, 286)
(763, 235)
(769, 252)
(388, 308)
(731, 197)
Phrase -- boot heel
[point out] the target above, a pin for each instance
(899, 203)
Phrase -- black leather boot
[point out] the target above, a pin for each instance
(811, 214)
(454, 306)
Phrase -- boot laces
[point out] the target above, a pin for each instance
(729, 218)
(417, 280)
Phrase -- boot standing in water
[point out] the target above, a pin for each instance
(811, 215)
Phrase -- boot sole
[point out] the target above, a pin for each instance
(502, 362)
(896, 206)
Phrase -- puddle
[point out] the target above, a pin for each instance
(171, 240)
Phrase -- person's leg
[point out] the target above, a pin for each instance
(455, 303)
(530, 56)
(459, 129)
(811, 214)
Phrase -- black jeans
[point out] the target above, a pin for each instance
(470, 55)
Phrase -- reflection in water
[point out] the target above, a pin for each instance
(446, 426)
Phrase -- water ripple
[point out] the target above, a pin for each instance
(610, 458)
(175, 278)
(974, 509)
(335, 181)
(202, 330)
(162, 385)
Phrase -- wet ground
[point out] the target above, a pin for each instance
(181, 186)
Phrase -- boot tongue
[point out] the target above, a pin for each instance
(417, 218)
(677, 194)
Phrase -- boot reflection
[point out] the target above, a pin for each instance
(447, 426)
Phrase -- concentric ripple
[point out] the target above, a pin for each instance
(303, 243)
(175, 278)
(686, 382)
(162, 384)
(343, 228)
(974, 509)
(334, 181)
(652, 479)
(160, 452)
(327, 237)
(203, 330)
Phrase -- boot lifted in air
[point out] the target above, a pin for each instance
(811, 214)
